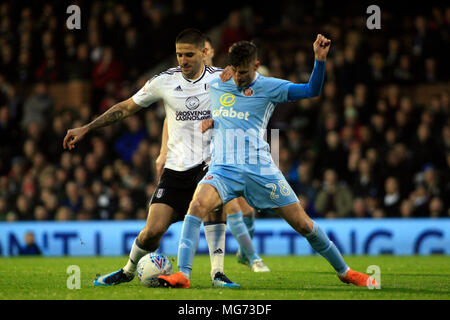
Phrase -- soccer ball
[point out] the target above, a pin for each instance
(151, 266)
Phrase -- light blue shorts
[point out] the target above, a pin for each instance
(266, 191)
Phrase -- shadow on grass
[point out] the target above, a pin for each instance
(445, 275)
(440, 275)
(383, 289)
(386, 292)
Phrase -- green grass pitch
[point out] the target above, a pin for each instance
(291, 278)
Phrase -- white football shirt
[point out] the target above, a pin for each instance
(187, 103)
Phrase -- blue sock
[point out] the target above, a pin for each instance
(190, 235)
(239, 231)
(326, 248)
(250, 224)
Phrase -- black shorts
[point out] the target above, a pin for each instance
(176, 188)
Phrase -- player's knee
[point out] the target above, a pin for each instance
(231, 208)
(249, 212)
(198, 207)
(238, 205)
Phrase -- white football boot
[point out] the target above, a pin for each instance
(259, 266)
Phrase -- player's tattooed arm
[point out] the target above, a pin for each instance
(115, 113)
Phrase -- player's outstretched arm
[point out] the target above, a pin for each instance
(117, 112)
(321, 47)
(313, 88)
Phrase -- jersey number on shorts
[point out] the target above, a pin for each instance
(284, 189)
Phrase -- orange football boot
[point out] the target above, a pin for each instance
(175, 280)
(358, 279)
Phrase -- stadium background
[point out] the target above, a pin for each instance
(373, 150)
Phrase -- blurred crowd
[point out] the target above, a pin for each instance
(369, 147)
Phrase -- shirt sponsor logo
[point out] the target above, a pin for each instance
(192, 115)
(227, 99)
(230, 113)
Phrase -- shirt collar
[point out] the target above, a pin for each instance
(198, 79)
(254, 79)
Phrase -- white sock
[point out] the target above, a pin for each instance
(215, 236)
(136, 254)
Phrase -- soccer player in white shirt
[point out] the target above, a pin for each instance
(184, 91)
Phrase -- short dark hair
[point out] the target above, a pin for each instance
(191, 36)
(208, 39)
(242, 53)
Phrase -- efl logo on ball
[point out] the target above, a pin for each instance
(151, 266)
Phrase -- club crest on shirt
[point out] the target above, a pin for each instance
(248, 92)
(192, 103)
(209, 177)
(160, 193)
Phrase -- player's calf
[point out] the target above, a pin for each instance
(296, 216)
(149, 238)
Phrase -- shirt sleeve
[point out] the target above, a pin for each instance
(149, 93)
(277, 89)
(313, 87)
